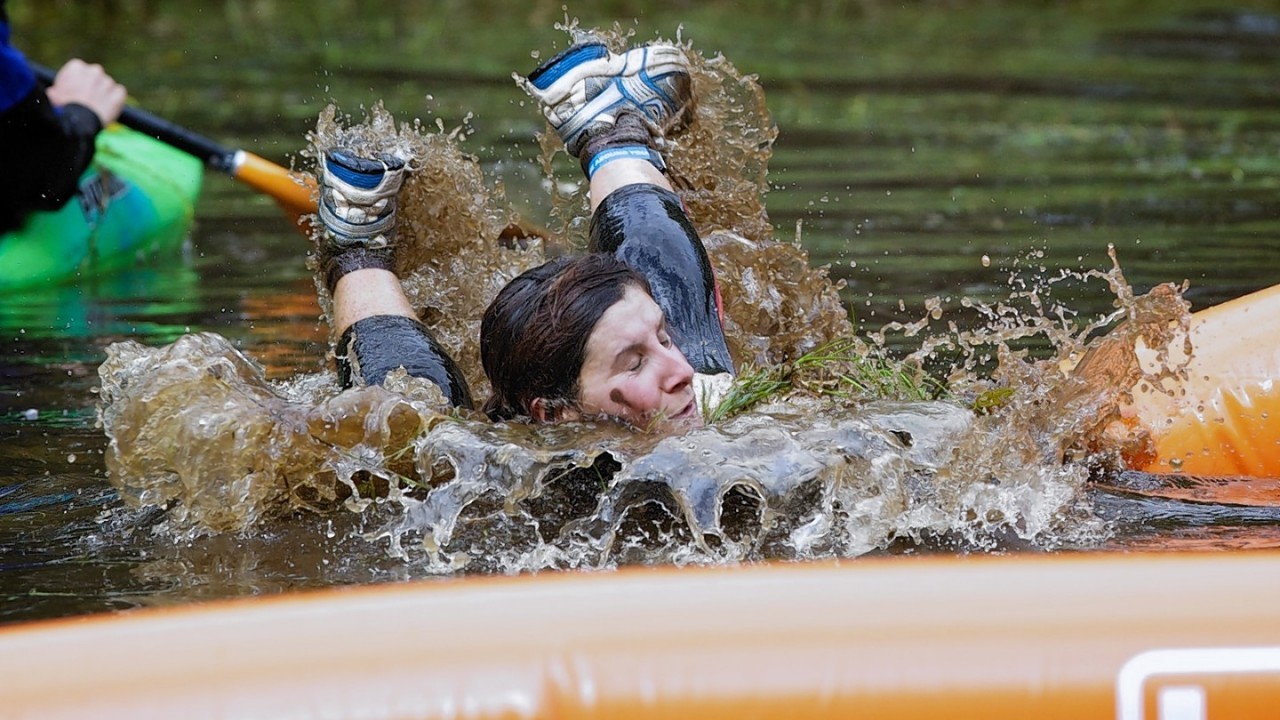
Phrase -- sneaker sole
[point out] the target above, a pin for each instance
(625, 93)
(556, 79)
(361, 172)
(361, 181)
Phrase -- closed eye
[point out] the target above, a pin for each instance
(664, 338)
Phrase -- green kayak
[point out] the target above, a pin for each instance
(136, 199)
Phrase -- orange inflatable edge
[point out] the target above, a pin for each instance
(1057, 636)
(1225, 418)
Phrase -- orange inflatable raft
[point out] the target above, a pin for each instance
(1168, 637)
(1226, 421)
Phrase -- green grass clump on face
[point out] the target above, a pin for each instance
(843, 369)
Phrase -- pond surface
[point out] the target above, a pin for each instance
(922, 151)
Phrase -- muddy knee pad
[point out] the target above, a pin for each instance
(646, 227)
(371, 348)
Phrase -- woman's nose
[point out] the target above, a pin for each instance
(679, 371)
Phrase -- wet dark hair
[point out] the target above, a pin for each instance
(533, 339)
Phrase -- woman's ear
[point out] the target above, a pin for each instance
(542, 410)
(538, 410)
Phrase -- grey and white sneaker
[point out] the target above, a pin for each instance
(585, 87)
(358, 198)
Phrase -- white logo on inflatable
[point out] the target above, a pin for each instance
(1185, 701)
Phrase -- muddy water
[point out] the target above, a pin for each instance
(196, 431)
(995, 166)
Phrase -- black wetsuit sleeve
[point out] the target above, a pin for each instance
(43, 152)
(373, 347)
(646, 227)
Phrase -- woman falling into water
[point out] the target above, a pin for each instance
(624, 331)
(631, 330)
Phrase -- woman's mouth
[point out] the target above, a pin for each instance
(689, 412)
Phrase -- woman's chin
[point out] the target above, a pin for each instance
(684, 418)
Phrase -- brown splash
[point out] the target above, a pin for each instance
(196, 428)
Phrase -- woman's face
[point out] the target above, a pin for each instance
(632, 369)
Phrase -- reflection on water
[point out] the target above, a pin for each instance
(136, 301)
(1189, 513)
(949, 153)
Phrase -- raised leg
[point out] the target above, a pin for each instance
(378, 328)
(612, 111)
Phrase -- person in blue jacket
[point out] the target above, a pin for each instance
(47, 134)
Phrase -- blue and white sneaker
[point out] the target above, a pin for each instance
(358, 198)
(585, 87)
